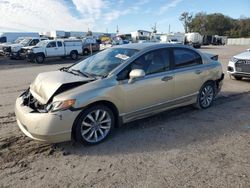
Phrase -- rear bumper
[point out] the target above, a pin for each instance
(47, 127)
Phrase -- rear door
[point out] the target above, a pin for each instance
(189, 72)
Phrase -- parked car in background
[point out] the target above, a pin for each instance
(54, 48)
(12, 36)
(90, 45)
(193, 39)
(174, 38)
(120, 84)
(239, 66)
(14, 50)
(6, 44)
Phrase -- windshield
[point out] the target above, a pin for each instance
(104, 62)
(18, 40)
(42, 43)
(25, 42)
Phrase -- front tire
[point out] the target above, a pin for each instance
(94, 125)
(86, 51)
(39, 58)
(238, 77)
(206, 96)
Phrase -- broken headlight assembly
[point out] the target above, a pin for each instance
(60, 105)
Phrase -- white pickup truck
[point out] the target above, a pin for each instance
(14, 50)
(54, 48)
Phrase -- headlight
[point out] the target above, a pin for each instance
(233, 59)
(29, 51)
(60, 105)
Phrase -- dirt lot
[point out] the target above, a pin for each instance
(179, 148)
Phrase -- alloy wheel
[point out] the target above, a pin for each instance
(206, 96)
(96, 125)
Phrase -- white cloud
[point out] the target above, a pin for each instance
(90, 8)
(29, 15)
(168, 5)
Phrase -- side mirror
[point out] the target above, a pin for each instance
(135, 74)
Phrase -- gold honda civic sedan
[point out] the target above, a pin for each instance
(87, 100)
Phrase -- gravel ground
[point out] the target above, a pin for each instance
(179, 148)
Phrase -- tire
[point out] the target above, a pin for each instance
(86, 51)
(206, 96)
(73, 55)
(238, 77)
(39, 58)
(90, 130)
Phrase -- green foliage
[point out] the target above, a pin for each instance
(186, 19)
(216, 24)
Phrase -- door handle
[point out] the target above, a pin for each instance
(167, 78)
(198, 71)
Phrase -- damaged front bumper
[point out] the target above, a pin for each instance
(50, 127)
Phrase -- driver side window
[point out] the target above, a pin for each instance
(152, 62)
(51, 45)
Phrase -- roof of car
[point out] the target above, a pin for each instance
(141, 46)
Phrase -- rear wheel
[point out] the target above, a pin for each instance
(74, 55)
(238, 77)
(206, 96)
(39, 58)
(94, 125)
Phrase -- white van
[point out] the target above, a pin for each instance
(12, 36)
(193, 39)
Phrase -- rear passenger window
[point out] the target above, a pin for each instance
(186, 58)
(59, 44)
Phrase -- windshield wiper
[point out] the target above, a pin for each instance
(86, 74)
(64, 68)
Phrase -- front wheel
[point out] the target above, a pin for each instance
(94, 125)
(238, 77)
(39, 58)
(206, 96)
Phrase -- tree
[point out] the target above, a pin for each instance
(186, 19)
(217, 24)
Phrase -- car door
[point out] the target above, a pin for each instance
(151, 92)
(51, 49)
(60, 49)
(188, 73)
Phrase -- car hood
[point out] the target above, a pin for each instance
(243, 55)
(16, 45)
(48, 84)
(27, 47)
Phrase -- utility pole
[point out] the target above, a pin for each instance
(117, 29)
(169, 28)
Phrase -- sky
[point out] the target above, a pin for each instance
(105, 15)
